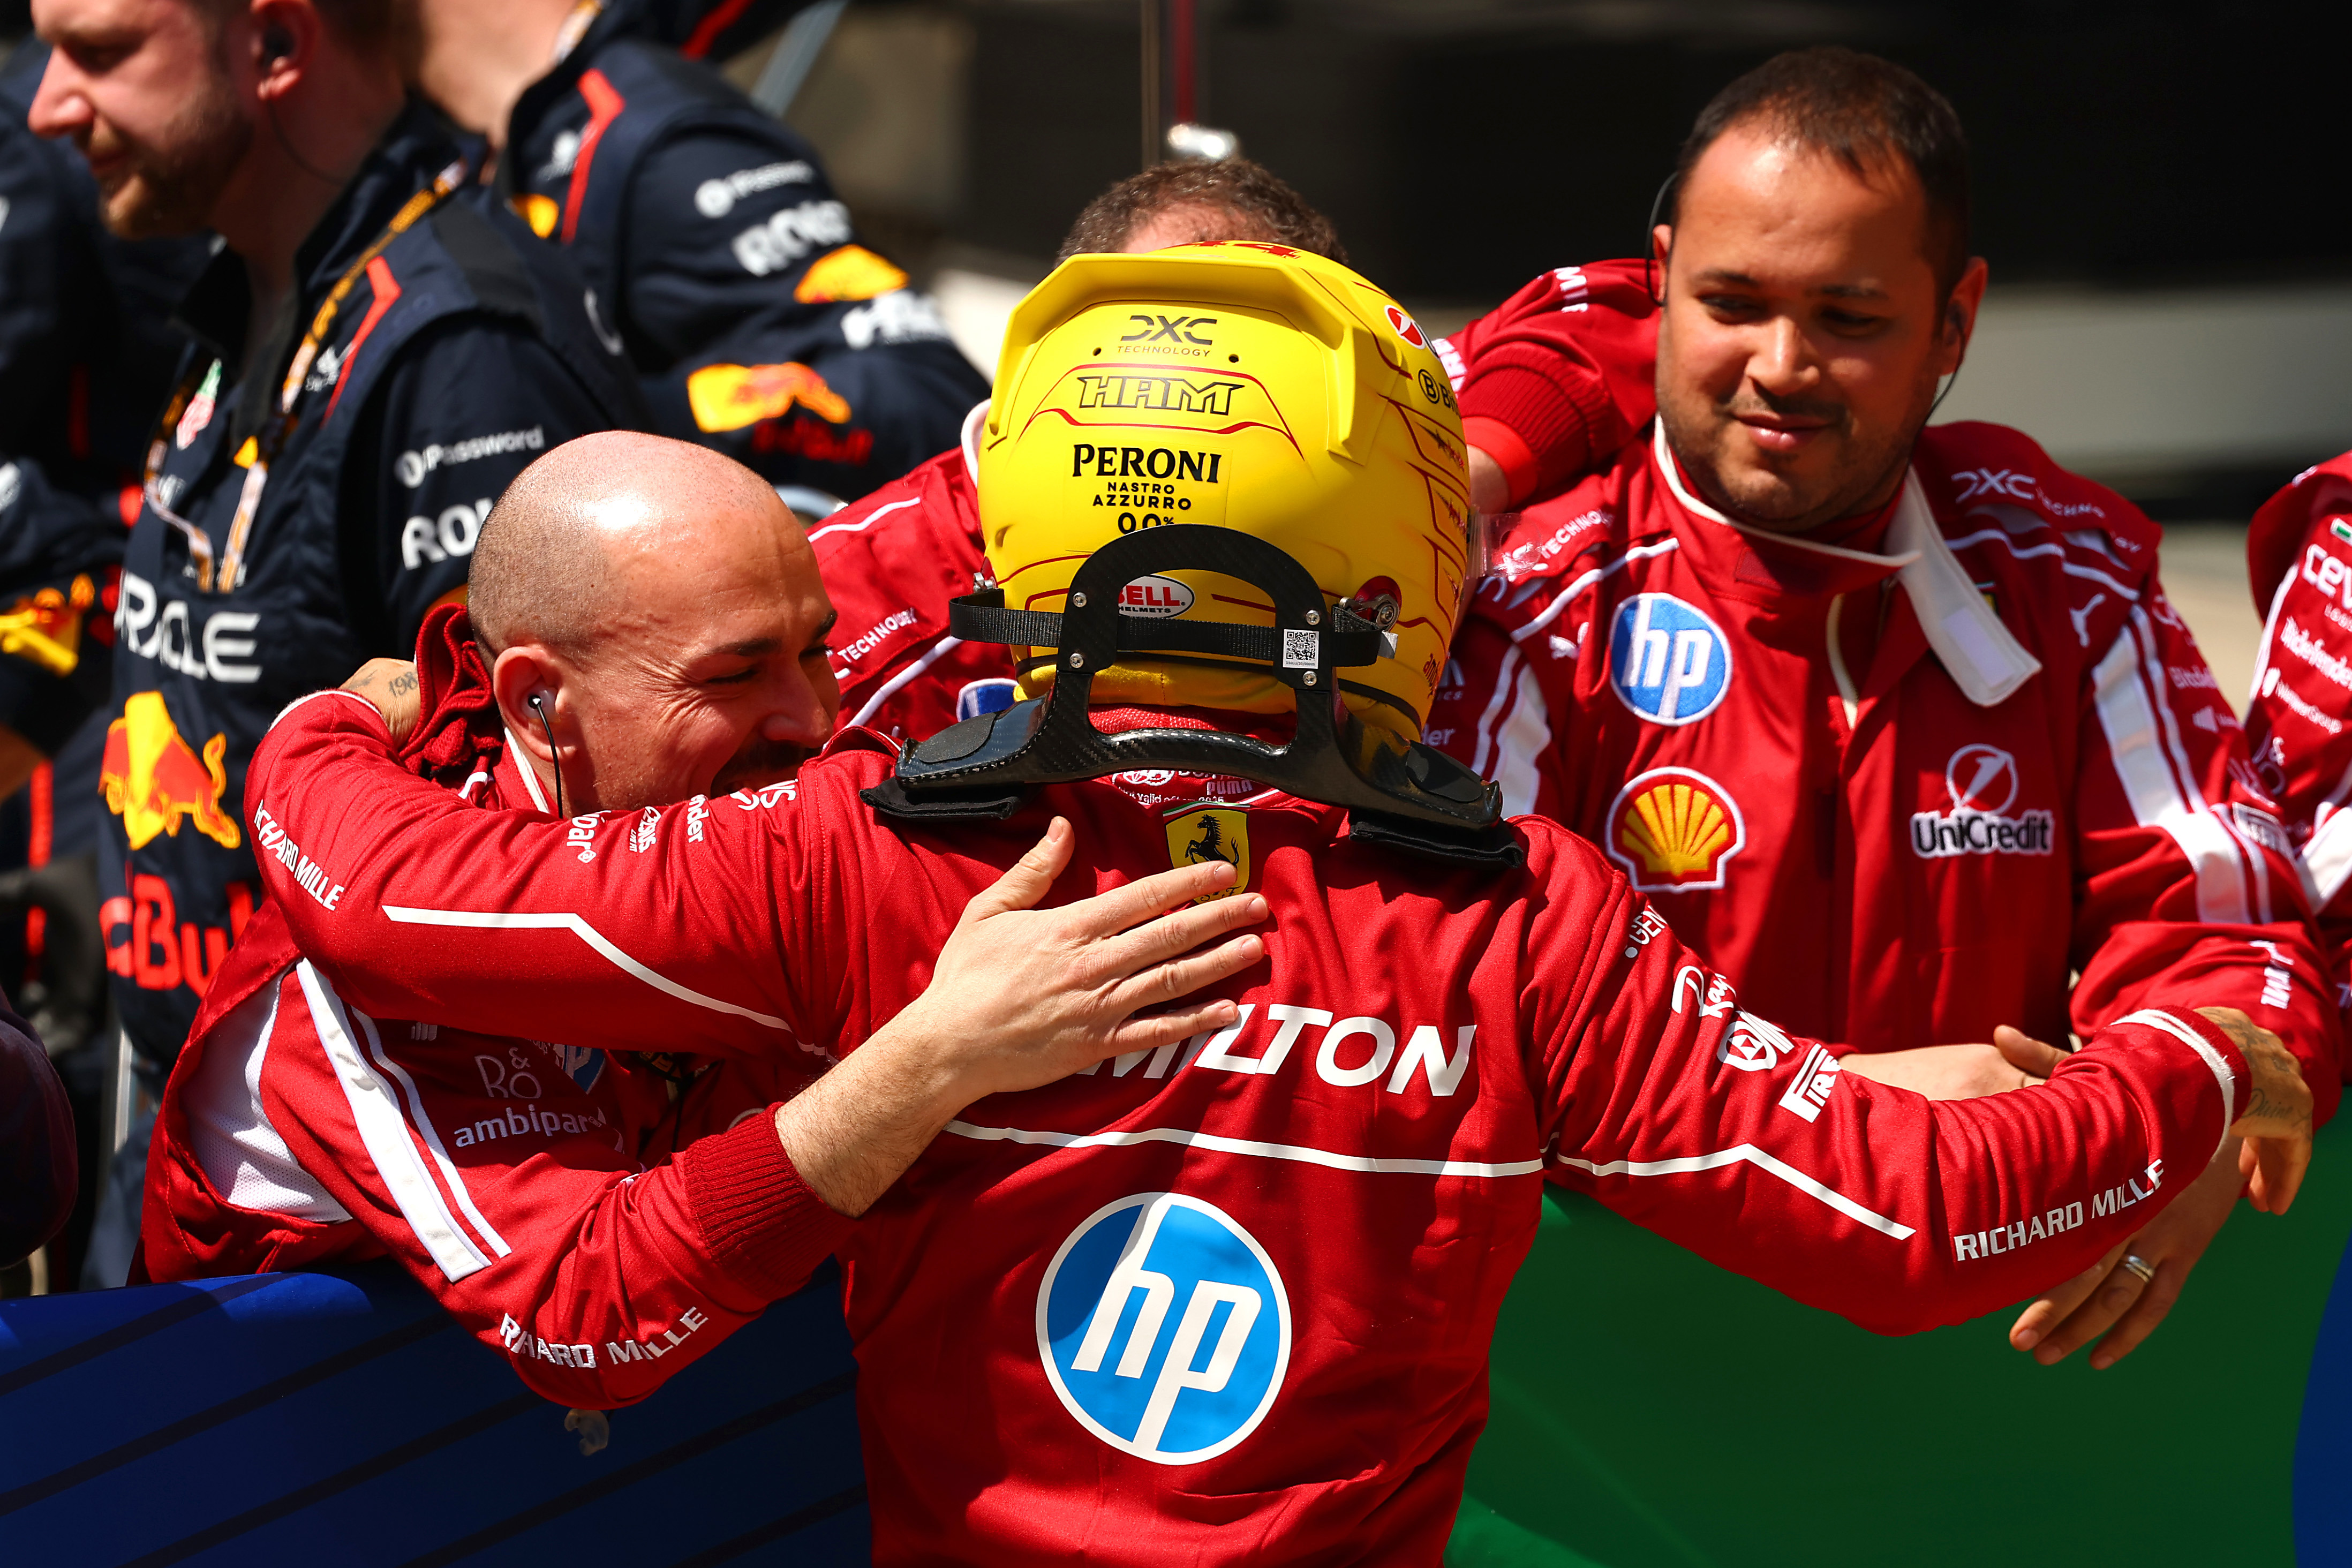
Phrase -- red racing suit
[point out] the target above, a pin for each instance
(2299, 558)
(891, 564)
(1230, 1301)
(552, 1198)
(1559, 377)
(1898, 793)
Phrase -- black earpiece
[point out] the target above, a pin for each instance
(277, 43)
(538, 700)
(1651, 284)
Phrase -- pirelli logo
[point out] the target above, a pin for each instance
(1182, 394)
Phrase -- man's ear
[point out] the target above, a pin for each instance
(520, 674)
(1960, 322)
(285, 40)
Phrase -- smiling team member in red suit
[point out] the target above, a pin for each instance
(1893, 722)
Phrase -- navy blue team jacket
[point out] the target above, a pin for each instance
(722, 261)
(86, 356)
(461, 352)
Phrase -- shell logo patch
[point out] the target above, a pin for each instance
(1211, 835)
(1674, 830)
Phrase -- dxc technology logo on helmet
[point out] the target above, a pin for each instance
(1668, 662)
(1164, 1328)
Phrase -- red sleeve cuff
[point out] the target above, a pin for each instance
(2241, 1076)
(760, 1221)
(2219, 1052)
(1502, 443)
(1557, 405)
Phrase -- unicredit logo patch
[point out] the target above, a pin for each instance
(1982, 785)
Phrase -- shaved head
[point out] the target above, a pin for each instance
(663, 607)
(558, 553)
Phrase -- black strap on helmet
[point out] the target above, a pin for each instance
(1423, 800)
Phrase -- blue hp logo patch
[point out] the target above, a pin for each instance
(1668, 662)
(1164, 1328)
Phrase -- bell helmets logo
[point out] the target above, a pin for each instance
(1667, 661)
(1164, 1328)
(1675, 830)
(1154, 598)
(1405, 327)
(154, 781)
(1982, 785)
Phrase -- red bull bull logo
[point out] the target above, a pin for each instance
(46, 627)
(154, 782)
(730, 397)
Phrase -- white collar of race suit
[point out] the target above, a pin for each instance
(972, 424)
(1984, 660)
(530, 775)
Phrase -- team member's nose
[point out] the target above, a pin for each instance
(1782, 362)
(59, 106)
(803, 716)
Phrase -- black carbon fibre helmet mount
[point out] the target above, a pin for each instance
(984, 767)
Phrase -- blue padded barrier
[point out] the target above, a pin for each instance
(2323, 1445)
(344, 1419)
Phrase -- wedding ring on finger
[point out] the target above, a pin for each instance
(2138, 1267)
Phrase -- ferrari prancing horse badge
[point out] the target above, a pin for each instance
(1211, 835)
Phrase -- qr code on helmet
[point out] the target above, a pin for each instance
(1301, 650)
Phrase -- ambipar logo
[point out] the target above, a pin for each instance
(1164, 1328)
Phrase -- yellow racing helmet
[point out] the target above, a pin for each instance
(1240, 385)
(1226, 476)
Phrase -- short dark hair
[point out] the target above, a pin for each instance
(1248, 191)
(365, 25)
(1861, 110)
